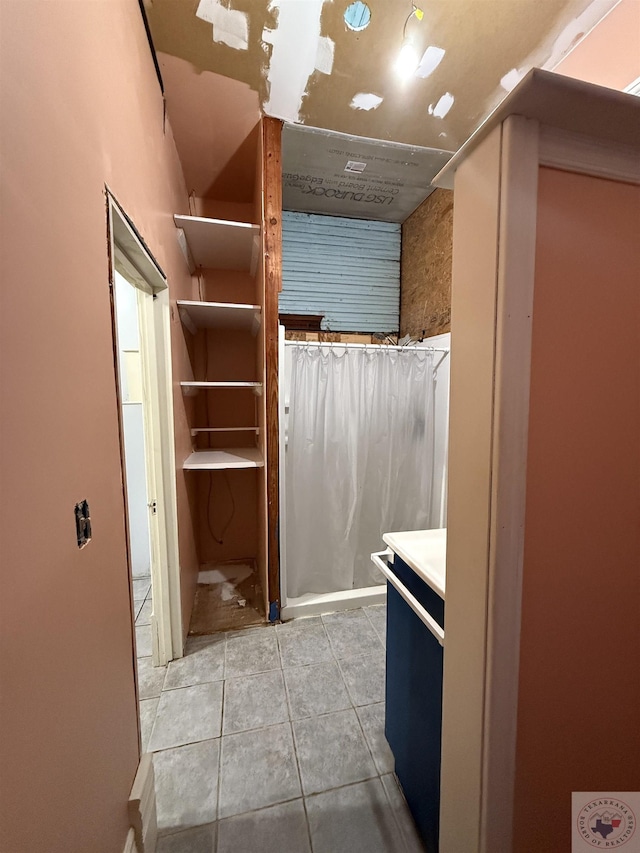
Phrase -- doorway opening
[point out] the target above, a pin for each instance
(141, 329)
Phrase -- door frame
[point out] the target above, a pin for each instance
(131, 257)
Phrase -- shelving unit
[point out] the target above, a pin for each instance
(219, 244)
(219, 315)
(219, 460)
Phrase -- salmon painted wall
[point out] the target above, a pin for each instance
(579, 676)
(610, 54)
(81, 108)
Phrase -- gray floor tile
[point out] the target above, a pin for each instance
(203, 662)
(278, 829)
(187, 785)
(144, 614)
(365, 678)
(351, 633)
(200, 840)
(141, 587)
(303, 641)
(253, 651)
(148, 708)
(316, 689)
(257, 769)
(143, 641)
(150, 678)
(187, 715)
(355, 819)
(254, 701)
(372, 721)
(377, 615)
(408, 832)
(331, 751)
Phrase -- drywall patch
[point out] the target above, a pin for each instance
(512, 78)
(298, 50)
(442, 107)
(431, 58)
(230, 26)
(324, 55)
(365, 101)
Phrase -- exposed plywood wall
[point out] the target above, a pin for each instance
(425, 276)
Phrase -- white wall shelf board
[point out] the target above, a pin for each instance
(225, 429)
(219, 315)
(219, 244)
(192, 387)
(219, 460)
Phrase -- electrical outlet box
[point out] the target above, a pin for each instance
(83, 523)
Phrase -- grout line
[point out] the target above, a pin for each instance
(219, 768)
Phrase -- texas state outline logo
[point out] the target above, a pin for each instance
(604, 821)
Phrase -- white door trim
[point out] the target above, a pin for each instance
(129, 253)
(512, 368)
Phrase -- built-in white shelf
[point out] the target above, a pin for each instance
(192, 387)
(219, 315)
(218, 243)
(195, 431)
(218, 460)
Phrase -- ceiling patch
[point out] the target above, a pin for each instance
(511, 79)
(357, 16)
(431, 58)
(324, 55)
(298, 50)
(365, 101)
(230, 26)
(442, 107)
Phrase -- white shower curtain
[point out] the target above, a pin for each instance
(359, 460)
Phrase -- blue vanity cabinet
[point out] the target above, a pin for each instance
(414, 697)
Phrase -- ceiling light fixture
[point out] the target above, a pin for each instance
(408, 58)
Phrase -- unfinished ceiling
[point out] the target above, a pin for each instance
(223, 61)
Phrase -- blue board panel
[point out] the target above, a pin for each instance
(347, 270)
(414, 701)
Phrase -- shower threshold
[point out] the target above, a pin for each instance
(313, 604)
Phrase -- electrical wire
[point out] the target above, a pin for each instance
(220, 540)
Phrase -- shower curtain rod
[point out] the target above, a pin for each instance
(365, 346)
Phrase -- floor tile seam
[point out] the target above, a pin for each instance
(349, 693)
(369, 778)
(179, 745)
(288, 700)
(185, 686)
(261, 809)
(170, 832)
(297, 760)
(401, 833)
(182, 745)
(219, 766)
(256, 672)
(327, 713)
(191, 686)
(366, 739)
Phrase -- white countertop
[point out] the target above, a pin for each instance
(425, 551)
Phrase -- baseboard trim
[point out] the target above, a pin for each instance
(142, 806)
(130, 843)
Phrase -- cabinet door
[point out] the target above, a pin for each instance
(414, 700)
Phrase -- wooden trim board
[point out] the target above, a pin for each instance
(272, 227)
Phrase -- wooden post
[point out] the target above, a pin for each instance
(272, 229)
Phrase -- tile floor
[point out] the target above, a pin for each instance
(271, 740)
